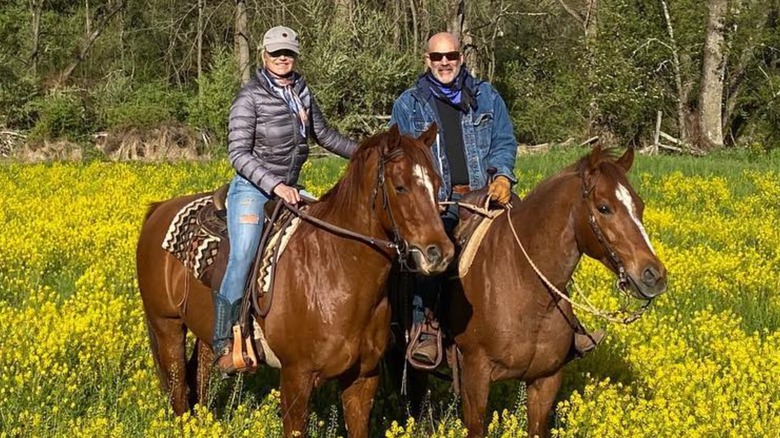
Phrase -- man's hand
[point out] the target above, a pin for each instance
(289, 194)
(500, 190)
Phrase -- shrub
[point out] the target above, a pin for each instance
(62, 114)
(124, 104)
(209, 110)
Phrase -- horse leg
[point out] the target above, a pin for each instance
(541, 395)
(205, 364)
(357, 397)
(169, 336)
(295, 388)
(475, 390)
(198, 373)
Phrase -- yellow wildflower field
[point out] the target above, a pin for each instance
(74, 358)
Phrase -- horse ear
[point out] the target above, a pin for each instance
(627, 159)
(595, 156)
(428, 137)
(392, 139)
(590, 167)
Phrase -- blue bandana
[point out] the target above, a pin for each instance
(458, 93)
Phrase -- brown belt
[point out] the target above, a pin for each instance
(461, 189)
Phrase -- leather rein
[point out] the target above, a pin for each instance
(398, 243)
(623, 282)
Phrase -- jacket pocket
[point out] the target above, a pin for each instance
(483, 121)
(420, 125)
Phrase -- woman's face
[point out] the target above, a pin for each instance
(280, 62)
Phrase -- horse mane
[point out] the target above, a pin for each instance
(152, 207)
(344, 195)
(587, 164)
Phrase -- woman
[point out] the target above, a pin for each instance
(271, 119)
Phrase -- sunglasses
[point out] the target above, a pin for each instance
(438, 56)
(283, 52)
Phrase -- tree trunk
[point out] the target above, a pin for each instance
(590, 22)
(455, 21)
(200, 51)
(400, 23)
(36, 7)
(242, 41)
(682, 93)
(458, 25)
(713, 68)
(415, 26)
(88, 41)
(121, 32)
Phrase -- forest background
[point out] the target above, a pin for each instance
(133, 78)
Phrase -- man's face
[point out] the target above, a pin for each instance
(444, 59)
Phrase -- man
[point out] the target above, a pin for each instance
(475, 134)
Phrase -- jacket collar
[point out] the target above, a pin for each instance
(300, 82)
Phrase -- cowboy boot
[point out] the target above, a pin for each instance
(225, 317)
(427, 350)
(584, 341)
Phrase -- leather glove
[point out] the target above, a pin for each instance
(500, 190)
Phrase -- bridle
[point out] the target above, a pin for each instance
(399, 244)
(622, 316)
(624, 281)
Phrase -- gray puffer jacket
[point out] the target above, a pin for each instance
(265, 145)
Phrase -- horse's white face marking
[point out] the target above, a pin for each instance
(624, 196)
(423, 179)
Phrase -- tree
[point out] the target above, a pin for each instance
(713, 71)
(242, 42)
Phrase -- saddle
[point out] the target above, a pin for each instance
(431, 336)
(197, 235)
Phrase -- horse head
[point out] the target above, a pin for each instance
(613, 232)
(392, 179)
(407, 195)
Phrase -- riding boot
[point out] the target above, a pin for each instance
(225, 317)
(223, 324)
(584, 341)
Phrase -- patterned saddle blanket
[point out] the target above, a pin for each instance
(196, 233)
(194, 236)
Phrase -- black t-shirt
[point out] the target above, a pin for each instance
(453, 142)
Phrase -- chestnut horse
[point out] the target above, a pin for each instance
(506, 322)
(330, 315)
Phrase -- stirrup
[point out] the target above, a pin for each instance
(242, 356)
(433, 333)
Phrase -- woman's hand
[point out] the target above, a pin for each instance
(289, 194)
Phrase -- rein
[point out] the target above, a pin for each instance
(588, 306)
(398, 244)
(618, 316)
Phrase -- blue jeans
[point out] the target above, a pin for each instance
(426, 289)
(245, 217)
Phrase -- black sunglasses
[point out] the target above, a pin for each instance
(283, 52)
(438, 56)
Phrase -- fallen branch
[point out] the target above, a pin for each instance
(589, 141)
(670, 138)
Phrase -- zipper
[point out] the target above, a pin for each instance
(295, 143)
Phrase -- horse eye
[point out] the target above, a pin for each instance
(400, 189)
(604, 209)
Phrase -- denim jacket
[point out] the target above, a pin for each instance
(488, 136)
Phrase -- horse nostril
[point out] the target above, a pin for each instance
(433, 253)
(650, 276)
